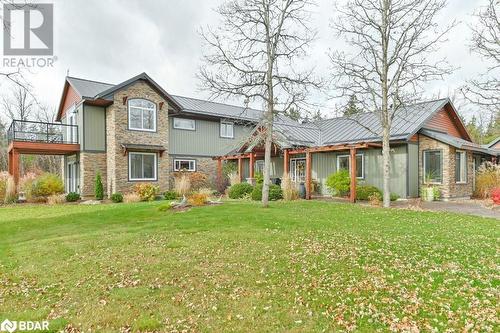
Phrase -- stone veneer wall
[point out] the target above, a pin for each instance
(90, 164)
(118, 134)
(205, 165)
(449, 188)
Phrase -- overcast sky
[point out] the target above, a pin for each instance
(113, 40)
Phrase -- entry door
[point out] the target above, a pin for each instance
(298, 169)
(72, 177)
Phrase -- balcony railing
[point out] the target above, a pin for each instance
(36, 131)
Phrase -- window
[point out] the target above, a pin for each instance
(187, 165)
(298, 169)
(185, 124)
(142, 166)
(433, 166)
(460, 167)
(344, 163)
(259, 166)
(226, 129)
(141, 115)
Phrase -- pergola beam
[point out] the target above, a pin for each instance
(352, 196)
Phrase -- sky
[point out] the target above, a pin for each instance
(114, 40)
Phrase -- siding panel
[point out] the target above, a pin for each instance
(94, 127)
(442, 121)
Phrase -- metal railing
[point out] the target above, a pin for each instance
(37, 131)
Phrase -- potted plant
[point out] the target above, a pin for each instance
(428, 190)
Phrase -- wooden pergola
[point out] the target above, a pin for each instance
(308, 151)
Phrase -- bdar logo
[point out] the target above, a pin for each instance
(8, 326)
(28, 29)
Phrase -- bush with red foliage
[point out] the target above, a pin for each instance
(495, 195)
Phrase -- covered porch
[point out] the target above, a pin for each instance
(288, 155)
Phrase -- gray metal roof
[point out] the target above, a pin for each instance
(88, 88)
(456, 142)
(492, 143)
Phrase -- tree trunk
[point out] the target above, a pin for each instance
(267, 159)
(384, 114)
(268, 117)
(386, 162)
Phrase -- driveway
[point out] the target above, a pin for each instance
(471, 207)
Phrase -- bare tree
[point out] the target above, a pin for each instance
(253, 54)
(19, 105)
(391, 42)
(484, 90)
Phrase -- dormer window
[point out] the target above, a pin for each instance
(141, 115)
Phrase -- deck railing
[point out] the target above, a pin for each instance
(36, 131)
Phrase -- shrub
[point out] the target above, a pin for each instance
(72, 197)
(275, 192)
(117, 197)
(237, 191)
(26, 184)
(182, 184)
(394, 197)
(131, 197)
(487, 178)
(198, 180)
(206, 191)
(56, 199)
(146, 191)
(495, 195)
(164, 207)
(4, 175)
(170, 195)
(289, 190)
(375, 199)
(363, 192)
(259, 178)
(229, 167)
(10, 191)
(47, 184)
(338, 183)
(98, 188)
(198, 199)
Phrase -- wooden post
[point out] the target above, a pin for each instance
(286, 161)
(352, 196)
(308, 175)
(252, 162)
(240, 169)
(219, 172)
(15, 166)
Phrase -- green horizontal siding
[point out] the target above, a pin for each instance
(205, 140)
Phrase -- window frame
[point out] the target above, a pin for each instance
(226, 122)
(184, 160)
(293, 161)
(155, 118)
(362, 155)
(424, 160)
(184, 128)
(130, 178)
(464, 154)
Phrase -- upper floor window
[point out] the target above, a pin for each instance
(344, 163)
(433, 166)
(185, 124)
(226, 129)
(141, 115)
(461, 167)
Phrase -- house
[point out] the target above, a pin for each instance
(495, 144)
(135, 131)
(429, 146)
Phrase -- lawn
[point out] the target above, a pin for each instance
(295, 267)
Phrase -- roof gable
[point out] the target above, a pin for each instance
(70, 96)
(447, 120)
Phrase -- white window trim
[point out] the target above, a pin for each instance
(424, 165)
(226, 123)
(349, 169)
(465, 167)
(184, 160)
(130, 166)
(142, 117)
(185, 128)
(290, 167)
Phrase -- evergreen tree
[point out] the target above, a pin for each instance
(293, 113)
(352, 107)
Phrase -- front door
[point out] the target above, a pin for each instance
(72, 179)
(298, 169)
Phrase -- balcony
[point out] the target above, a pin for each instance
(39, 132)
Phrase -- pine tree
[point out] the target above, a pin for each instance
(352, 108)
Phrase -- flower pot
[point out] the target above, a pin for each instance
(302, 190)
(429, 194)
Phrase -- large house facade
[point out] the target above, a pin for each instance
(137, 132)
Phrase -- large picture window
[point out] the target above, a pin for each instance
(226, 129)
(344, 163)
(460, 167)
(187, 165)
(433, 166)
(142, 166)
(185, 124)
(141, 115)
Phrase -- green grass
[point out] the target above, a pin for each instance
(300, 267)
